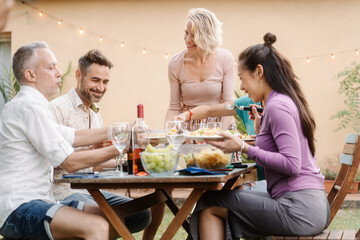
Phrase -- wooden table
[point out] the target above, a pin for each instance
(198, 183)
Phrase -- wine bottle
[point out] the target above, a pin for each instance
(130, 161)
(140, 139)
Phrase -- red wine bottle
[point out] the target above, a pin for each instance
(140, 139)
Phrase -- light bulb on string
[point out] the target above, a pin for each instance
(101, 39)
(41, 13)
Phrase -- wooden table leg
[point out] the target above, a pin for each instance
(182, 213)
(117, 223)
(174, 209)
(230, 183)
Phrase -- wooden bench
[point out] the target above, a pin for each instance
(349, 160)
(326, 234)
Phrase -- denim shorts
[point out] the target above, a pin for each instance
(31, 220)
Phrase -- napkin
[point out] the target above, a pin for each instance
(82, 175)
(199, 171)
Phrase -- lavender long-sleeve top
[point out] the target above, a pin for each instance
(283, 150)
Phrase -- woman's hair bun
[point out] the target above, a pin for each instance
(269, 39)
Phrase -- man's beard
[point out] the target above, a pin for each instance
(88, 97)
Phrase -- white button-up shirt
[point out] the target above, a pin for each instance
(31, 144)
(69, 110)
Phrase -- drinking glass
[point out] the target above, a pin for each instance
(214, 125)
(175, 133)
(119, 134)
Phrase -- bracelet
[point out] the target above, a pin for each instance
(242, 146)
(190, 115)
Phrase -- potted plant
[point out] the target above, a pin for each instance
(355, 186)
(330, 177)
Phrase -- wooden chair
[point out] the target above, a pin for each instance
(349, 160)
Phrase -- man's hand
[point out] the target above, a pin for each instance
(229, 144)
(102, 144)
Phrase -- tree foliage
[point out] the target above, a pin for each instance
(350, 88)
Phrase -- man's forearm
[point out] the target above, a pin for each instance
(86, 137)
(84, 159)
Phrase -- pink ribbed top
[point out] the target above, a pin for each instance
(217, 88)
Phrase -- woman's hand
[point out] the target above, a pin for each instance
(181, 117)
(229, 144)
(256, 117)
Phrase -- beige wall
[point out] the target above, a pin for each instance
(303, 28)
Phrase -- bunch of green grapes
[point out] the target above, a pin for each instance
(158, 160)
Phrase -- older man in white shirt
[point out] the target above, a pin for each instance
(31, 144)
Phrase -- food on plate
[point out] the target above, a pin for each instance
(157, 135)
(213, 132)
(173, 131)
(206, 132)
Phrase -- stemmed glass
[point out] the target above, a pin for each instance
(214, 125)
(175, 133)
(119, 133)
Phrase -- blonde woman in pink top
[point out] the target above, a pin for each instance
(201, 74)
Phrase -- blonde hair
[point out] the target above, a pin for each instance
(206, 29)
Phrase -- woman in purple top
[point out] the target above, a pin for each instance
(295, 203)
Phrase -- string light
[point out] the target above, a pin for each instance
(41, 13)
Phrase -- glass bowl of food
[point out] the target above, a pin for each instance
(186, 156)
(159, 161)
(207, 156)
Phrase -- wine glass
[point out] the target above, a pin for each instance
(119, 133)
(175, 133)
(214, 125)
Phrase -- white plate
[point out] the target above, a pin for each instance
(158, 135)
(214, 137)
(162, 139)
